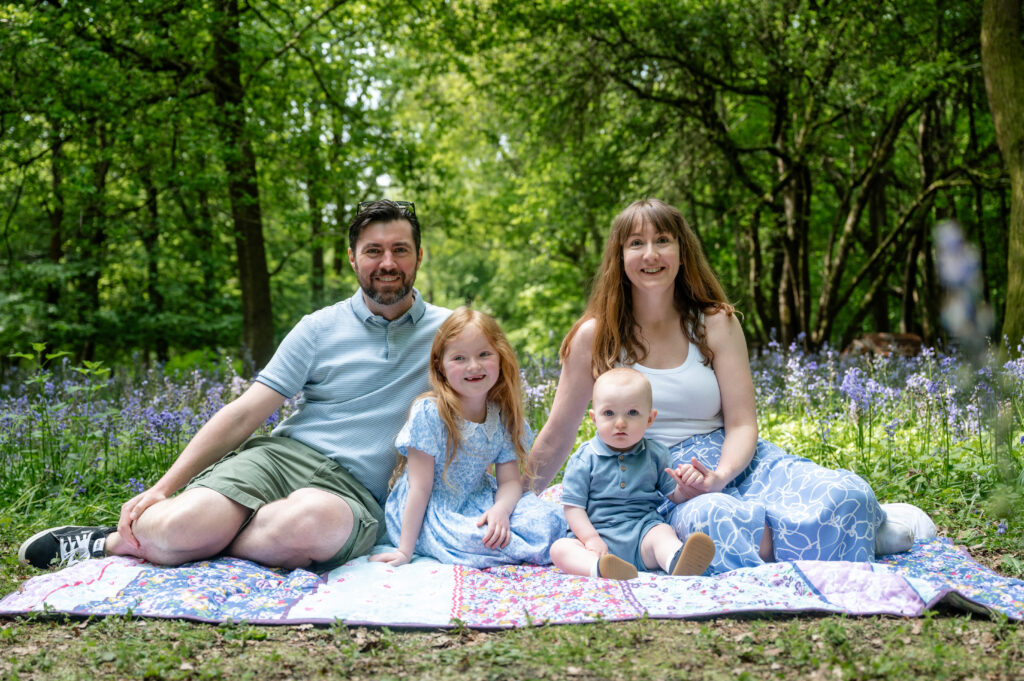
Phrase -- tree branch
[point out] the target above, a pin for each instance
(291, 42)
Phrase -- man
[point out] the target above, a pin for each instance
(309, 495)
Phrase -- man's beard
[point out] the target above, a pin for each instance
(386, 297)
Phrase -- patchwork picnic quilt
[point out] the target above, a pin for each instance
(425, 593)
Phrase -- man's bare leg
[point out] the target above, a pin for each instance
(198, 523)
(310, 525)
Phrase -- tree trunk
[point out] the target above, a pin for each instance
(877, 219)
(796, 269)
(317, 264)
(977, 231)
(243, 188)
(150, 237)
(909, 300)
(93, 236)
(1002, 60)
(752, 266)
(931, 294)
(929, 141)
(56, 215)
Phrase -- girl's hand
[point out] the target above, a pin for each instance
(392, 558)
(596, 545)
(498, 532)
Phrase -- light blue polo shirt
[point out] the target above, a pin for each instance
(358, 374)
(616, 487)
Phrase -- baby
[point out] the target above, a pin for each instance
(612, 487)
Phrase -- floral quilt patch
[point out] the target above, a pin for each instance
(429, 594)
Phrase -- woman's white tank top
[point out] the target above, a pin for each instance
(687, 398)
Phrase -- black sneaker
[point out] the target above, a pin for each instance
(63, 546)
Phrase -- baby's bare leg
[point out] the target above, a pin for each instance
(659, 546)
(571, 556)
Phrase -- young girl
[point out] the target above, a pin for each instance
(445, 504)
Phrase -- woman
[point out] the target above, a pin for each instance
(658, 307)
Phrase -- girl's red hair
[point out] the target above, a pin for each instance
(506, 393)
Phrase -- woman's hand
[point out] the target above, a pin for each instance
(498, 532)
(392, 558)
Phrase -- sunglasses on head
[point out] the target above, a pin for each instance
(407, 205)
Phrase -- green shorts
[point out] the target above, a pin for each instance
(265, 469)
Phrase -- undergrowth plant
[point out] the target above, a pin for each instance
(933, 429)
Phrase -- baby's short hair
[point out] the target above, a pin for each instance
(625, 378)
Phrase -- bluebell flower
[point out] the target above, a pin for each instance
(857, 390)
(1001, 527)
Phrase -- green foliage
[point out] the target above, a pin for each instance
(810, 145)
(773, 126)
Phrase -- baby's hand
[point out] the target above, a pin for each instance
(596, 545)
(393, 558)
(498, 533)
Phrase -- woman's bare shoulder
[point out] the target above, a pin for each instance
(722, 326)
(583, 336)
(587, 329)
(721, 319)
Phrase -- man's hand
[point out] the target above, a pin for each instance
(132, 509)
(392, 558)
(498, 532)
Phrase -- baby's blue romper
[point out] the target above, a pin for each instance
(621, 492)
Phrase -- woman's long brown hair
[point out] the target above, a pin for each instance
(617, 337)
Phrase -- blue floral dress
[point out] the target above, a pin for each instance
(465, 491)
(815, 513)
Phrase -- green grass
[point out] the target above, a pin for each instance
(937, 646)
